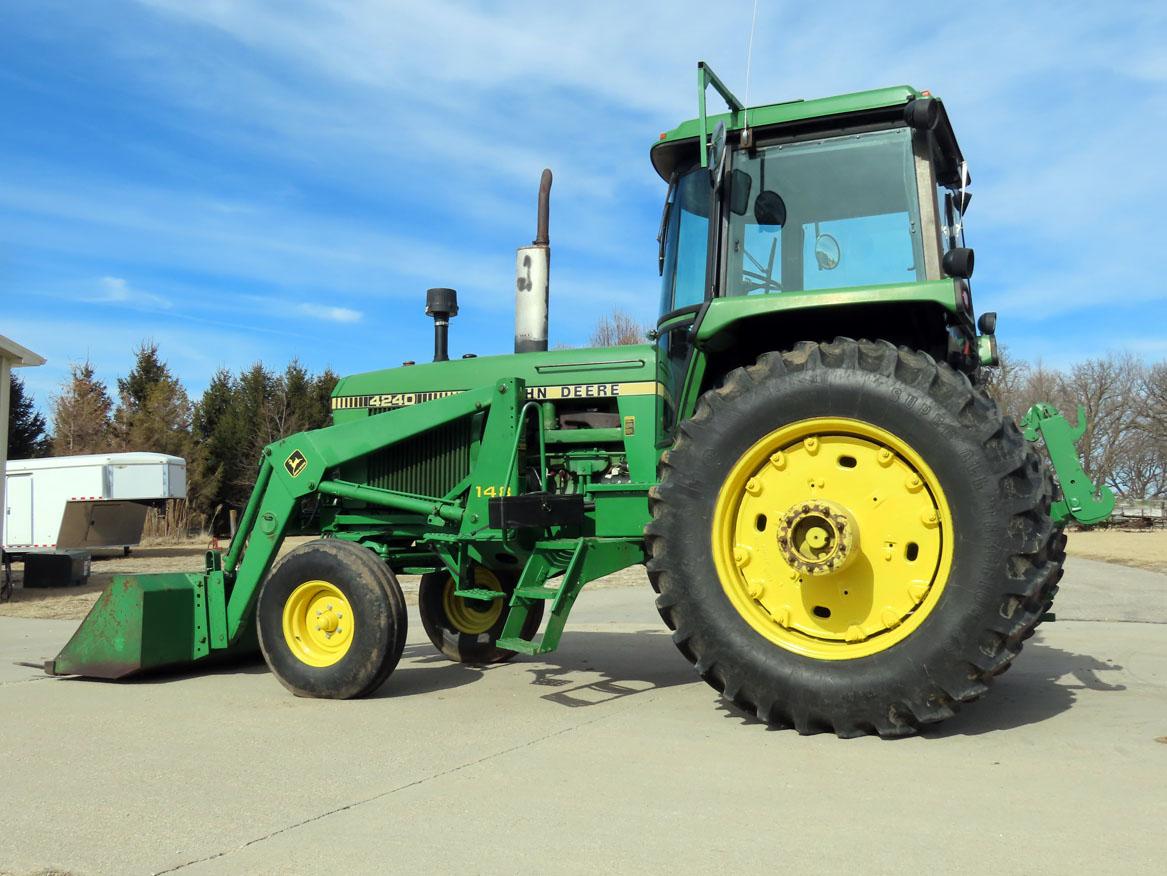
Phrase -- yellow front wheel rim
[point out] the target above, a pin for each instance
(318, 623)
(473, 616)
(832, 538)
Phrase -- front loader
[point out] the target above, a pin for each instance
(844, 535)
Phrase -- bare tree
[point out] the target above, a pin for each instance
(617, 330)
(1008, 383)
(1108, 391)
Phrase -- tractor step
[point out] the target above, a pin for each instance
(537, 592)
(522, 646)
(480, 593)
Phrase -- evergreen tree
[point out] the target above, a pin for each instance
(322, 401)
(255, 395)
(81, 413)
(148, 371)
(154, 411)
(238, 416)
(26, 427)
(217, 432)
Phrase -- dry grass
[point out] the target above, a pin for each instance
(1142, 548)
(1146, 549)
(75, 602)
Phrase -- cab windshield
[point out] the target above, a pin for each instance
(831, 213)
(686, 241)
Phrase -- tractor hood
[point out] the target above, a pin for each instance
(601, 372)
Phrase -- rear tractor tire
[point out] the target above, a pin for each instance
(331, 620)
(849, 537)
(466, 630)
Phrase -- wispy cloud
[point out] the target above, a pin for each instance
(210, 161)
(115, 290)
(334, 314)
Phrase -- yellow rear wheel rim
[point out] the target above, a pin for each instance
(832, 538)
(473, 616)
(318, 623)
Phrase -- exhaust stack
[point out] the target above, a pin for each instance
(532, 278)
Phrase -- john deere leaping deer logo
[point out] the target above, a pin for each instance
(295, 463)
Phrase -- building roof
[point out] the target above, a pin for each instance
(18, 356)
(133, 458)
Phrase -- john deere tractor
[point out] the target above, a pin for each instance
(844, 531)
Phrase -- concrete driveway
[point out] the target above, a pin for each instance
(606, 756)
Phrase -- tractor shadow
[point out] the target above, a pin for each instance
(1043, 683)
(589, 669)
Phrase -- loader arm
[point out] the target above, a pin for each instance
(145, 622)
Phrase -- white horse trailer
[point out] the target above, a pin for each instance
(86, 502)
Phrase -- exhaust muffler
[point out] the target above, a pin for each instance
(532, 278)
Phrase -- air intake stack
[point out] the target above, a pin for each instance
(532, 278)
(442, 305)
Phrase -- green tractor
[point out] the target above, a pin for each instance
(844, 535)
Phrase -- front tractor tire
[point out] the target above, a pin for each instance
(331, 620)
(849, 537)
(467, 630)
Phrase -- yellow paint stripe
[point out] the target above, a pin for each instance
(554, 392)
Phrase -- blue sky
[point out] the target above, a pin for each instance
(261, 180)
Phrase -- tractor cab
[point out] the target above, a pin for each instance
(861, 190)
(850, 200)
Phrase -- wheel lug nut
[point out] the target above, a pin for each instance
(884, 456)
(741, 556)
(929, 518)
(812, 445)
(753, 486)
(778, 460)
(914, 483)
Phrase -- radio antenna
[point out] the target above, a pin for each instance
(749, 58)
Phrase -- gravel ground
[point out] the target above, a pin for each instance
(56, 603)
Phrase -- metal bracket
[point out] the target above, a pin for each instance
(1081, 499)
(705, 78)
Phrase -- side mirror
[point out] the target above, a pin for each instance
(770, 209)
(740, 184)
(958, 262)
(987, 324)
(827, 252)
(961, 201)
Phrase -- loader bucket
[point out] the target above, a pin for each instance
(140, 623)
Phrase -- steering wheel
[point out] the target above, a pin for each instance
(762, 279)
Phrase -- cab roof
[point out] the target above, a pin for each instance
(821, 115)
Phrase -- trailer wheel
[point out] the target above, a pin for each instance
(850, 537)
(465, 630)
(331, 620)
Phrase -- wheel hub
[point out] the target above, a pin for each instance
(818, 537)
(318, 623)
(787, 547)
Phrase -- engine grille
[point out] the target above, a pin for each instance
(430, 464)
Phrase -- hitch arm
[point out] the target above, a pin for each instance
(1081, 499)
